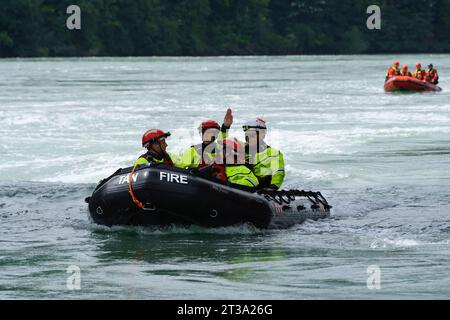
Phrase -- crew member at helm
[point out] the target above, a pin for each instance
(203, 154)
(432, 75)
(267, 163)
(154, 140)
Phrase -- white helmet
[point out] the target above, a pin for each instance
(255, 124)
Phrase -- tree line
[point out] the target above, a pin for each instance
(31, 28)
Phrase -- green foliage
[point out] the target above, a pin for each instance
(441, 25)
(353, 42)
(221, 27)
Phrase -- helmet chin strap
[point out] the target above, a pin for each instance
(257, 140)
(159, 144)
(160, 153)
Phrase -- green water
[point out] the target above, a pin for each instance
(382, 160)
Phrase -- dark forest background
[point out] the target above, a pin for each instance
(31, 28)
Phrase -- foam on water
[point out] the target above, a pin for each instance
(383, 243)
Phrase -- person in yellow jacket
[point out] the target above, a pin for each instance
(419, 73)
(394, 70)
(203, 154)
(154, 140)
(236, 170)
(267, 163)
(405, 72)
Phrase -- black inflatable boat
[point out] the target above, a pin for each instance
(171, 196)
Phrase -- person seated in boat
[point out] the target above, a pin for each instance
(419, 73)
(405, 72)
(267, 163)
(203, 154)
(154, 140)
(394, 70)
(237, 172)
(432, 75)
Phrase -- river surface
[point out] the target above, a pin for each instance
(382, 160)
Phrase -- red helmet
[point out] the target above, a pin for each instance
(418, 65)
(153, 135)
(405, 67)
(209, 124)
(396, 63)
(234, 144)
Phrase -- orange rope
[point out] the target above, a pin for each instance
(130, 191)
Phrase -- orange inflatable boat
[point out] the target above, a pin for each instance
(401, 83)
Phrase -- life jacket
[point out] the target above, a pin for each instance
(219, 172)
(268, 166)
(431, 75)
(406, 74)
(242, 175)
(395, 71)
(418, 74)
(209, 156)
(151, 156)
